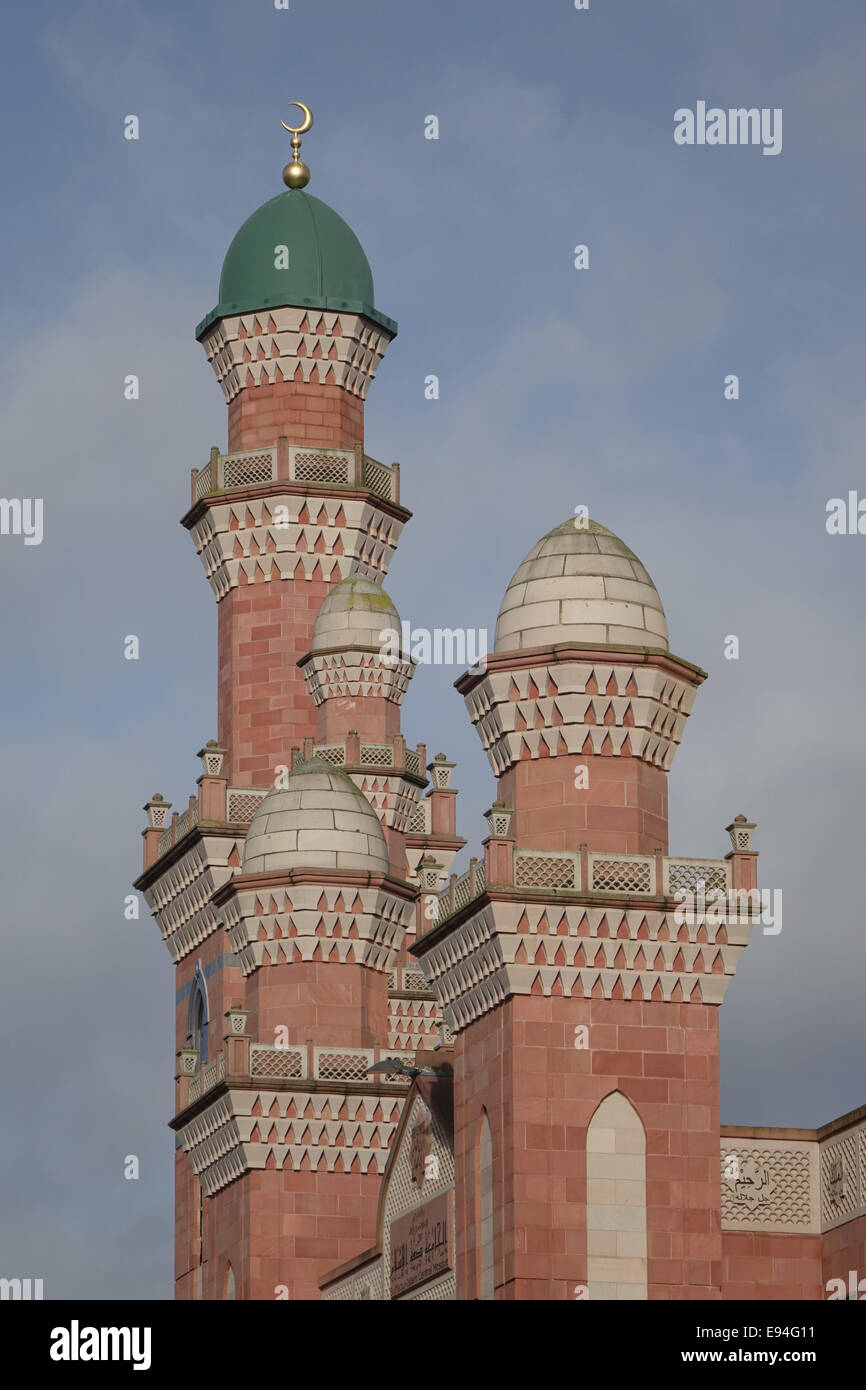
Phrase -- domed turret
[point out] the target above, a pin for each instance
(353, 616)
(581, 584)
(581, 692)
(356, 670)
(323, 265)
(320, 820)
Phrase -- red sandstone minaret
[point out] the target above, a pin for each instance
(287, 891)
(295, 505)
(585, 1013)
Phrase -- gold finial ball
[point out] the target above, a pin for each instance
(296, 174)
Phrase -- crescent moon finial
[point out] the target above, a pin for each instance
(306, 123)
(296, 174)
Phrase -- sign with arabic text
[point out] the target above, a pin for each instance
(421, 1244)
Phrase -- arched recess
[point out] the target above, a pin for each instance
(484, 1208)
(616, 1201)
(197, 1015)
(230, 1283)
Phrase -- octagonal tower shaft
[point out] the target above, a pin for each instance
(294, 505)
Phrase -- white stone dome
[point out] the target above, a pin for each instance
(353, 615)
(581, 585)
(320, 820)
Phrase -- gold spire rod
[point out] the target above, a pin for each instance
(296, 174)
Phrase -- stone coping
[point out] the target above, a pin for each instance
(306, 1085)
(283, 487)
(585, 652)
(825, 1131)
(284, 878)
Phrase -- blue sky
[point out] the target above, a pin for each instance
(558, 387)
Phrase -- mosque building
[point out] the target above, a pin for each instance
(395, 1083)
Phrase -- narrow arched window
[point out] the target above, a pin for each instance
(197, 1026)
(484, 1215)
(616, 1201)
(230, 1283)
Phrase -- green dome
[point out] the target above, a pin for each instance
(327, 266)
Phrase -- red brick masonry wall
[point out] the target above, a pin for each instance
(622, 810)
(264, 708)
(844, 1249)
(306, 414)
(520, 1063)
(779, 1266)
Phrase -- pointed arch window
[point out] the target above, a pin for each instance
(616, 1217)
(484, 1216)
(198, 1016)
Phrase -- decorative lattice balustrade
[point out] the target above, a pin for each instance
(180, 825)
(334, 753)
(281, 1063)
(248, 468)
(380, 480)
(622, 873)
(243, 802)
(333, 467)
(684, 875)
(377, 754)
(546, 869)
(415, 979)
(407, 979)
(641, 875)
(420, 824)
(268, 1062)
(210, 1075)
(203, 482)
(343, 1064)
(463, 891)
(459, 892)
(323, 467)
(303, 1064)
(227, 472)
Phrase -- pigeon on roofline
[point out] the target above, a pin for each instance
(397, 1066)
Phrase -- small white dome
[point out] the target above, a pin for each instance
(320, 820)
(353, 615)
(581, 585)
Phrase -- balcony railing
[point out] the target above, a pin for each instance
(340, 468)
(268, 1062)
(635, 875)
(226, 472)
(421, 822)
(381, 480)
(243, 802)
(179, 826)
(546, 869)
(210, 1075)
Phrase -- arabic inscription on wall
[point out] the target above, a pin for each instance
(421, 1244)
